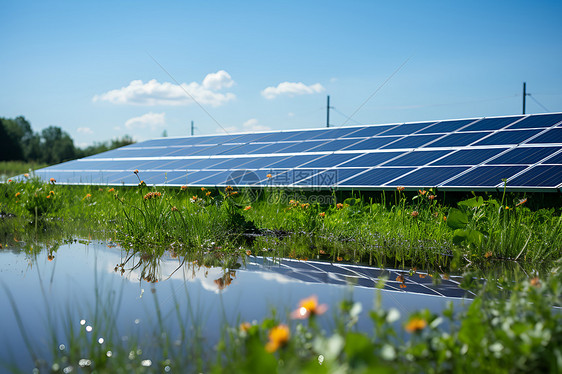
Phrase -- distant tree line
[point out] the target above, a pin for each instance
(51, 146)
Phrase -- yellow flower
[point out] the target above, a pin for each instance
(51, 192)
(309, 307)
(248, 207)
(415, 324)
(278, 337)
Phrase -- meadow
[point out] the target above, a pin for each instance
(513, 325)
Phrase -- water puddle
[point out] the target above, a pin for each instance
(80, 285)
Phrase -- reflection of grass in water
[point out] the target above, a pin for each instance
(509, 327)
(410, 229)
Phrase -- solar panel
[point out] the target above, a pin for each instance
(466, 154)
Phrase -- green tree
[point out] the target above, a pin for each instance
(58, 146)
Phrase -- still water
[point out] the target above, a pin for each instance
(53, 290)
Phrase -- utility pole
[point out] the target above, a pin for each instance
(192, 128)
(328, 112)
(525, 94)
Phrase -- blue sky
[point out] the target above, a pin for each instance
(254, 65)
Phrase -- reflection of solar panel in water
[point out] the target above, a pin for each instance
(360, 276)
(466, 154)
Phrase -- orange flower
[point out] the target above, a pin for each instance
(136, 171)
(48, 196)
(203, 188)
(51, 192)
(521, 202)
(50, 257)
(208, 193)
(183, 188)
(402, 285)
(400, 188)
(10, 181)
(228, 188)
(26, 175)
(269, 175)
(339, 258)
(233, 193)
(422, 192)
(421, 276)
(414, 213)
(415, 324)
(142, 183)
(152, 195)
(245, 326)
(322, 214)
(309, 307)
(535, 282)
(278, 337)
(52, 180)
(248, 252)
(339, 206)
(431, 197)
(488, 254)
(18, 194)
(248, 207)
(400, 278)
(445, 218)
(174, 209)
(304, 206)
(111, 190)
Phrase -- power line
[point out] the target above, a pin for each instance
(188, 94)
(536, 101)
(379, 88)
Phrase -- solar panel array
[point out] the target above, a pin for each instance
(466, 154)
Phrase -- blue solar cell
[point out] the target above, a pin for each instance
(202, 177)
(371, 159)
(469, 156)
(293, 161)
(181, 164)
(412, 141)
(553, 135)
(187, 151)
(556, 159)
(528, 155)
(491, 123)
(167, 142)
(207, 163)
(445, 126)
(262, 162)
(407, 128)
(372, 143)
(307, 146)
(214, 150)
(217, 139)
(293, 136)
(539, 120)
(244, 149)
(417, 158)
(539, 176)
(429, 176)
(369, 131)
(336, 133)
(335, 145)
(458, 139)
(485, 176)
(375, 177)
(508, 137)
(272, 148)
(320, 177)
(233, 163)
(331, 160)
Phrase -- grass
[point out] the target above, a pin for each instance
(10, 169)
(405, 230)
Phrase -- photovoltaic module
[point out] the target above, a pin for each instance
(525, 151)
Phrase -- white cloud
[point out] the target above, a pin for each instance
(217, 81)
(291, 89)
(166, 93)
(150, 120)
(253, 125)
(84, 130)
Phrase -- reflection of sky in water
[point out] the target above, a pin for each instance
(249, 293)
